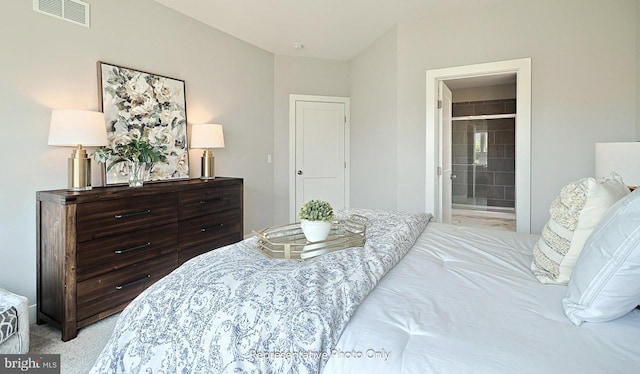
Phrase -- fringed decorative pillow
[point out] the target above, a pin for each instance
(574, 215)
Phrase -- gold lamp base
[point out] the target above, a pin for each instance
(207, 165)
(79, 168)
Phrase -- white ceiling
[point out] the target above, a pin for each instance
(331, 29)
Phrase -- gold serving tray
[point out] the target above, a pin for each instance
(288, 241)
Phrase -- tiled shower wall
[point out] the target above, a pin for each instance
(494, 183)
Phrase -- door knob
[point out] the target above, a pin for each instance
(453, 176)
(299, 172)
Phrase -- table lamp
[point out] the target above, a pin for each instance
(207, 136)
(76, 128)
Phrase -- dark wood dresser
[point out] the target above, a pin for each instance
(97, 250)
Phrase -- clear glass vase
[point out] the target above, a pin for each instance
(137, 173)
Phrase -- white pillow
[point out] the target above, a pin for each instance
(605, 283)
(574, 215)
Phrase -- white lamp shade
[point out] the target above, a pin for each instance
(207, 136)
(74, 127)
(621, 158)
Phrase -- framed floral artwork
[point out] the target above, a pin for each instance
(137, 104)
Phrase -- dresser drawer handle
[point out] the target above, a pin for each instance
(127, 215)
(212, 227)
(127, 250)
(146, 278)
(202, 202)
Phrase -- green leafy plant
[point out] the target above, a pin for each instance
(316, 210)
(137, 149)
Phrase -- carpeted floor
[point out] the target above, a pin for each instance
(77, 355)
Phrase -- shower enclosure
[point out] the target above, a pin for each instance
(483, 162)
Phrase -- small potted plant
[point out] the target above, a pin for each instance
(315, 219)
(138, 153)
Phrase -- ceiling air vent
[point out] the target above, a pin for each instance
(74, 11)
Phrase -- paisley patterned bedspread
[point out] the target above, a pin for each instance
(234, 310)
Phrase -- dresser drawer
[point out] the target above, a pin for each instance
(207, 201)
(202, 234)
(106, 218)
(101, 293)
(103, 255)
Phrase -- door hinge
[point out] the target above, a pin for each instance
(439, 170)
(345, 120)
(345, 165)
(439, 104)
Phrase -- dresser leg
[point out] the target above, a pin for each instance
(68, 333)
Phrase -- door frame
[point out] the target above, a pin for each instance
(293, 98)
(522, 69)
(445, 182)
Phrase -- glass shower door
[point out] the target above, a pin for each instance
(483, 158)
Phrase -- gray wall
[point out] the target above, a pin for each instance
(374, 147)
(583, 54)
(580, 50)
(638, 69)
(49, 64)
(303, 76)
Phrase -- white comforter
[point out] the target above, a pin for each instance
(463, 300)
(235, 310)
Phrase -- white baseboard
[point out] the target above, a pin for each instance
(33, 313)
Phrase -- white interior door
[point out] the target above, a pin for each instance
(320, 164)
(446, 176)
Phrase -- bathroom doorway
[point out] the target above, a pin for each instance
(481, 137)
(478, 125)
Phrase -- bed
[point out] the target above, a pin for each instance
(422, 298)
(464, 300)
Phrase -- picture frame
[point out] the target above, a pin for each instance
(142, 104)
